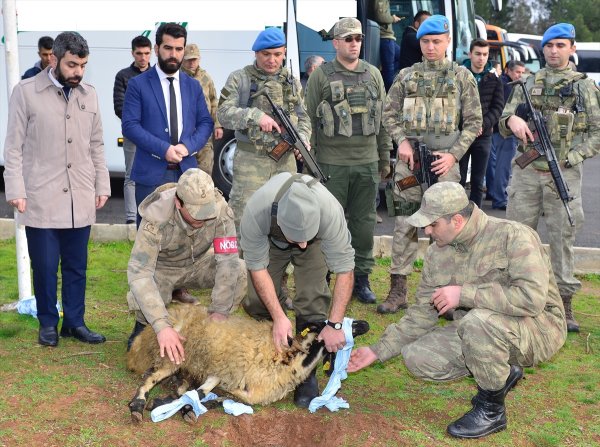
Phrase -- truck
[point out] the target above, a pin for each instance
(225, 42)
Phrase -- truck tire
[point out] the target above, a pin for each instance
(223, 168)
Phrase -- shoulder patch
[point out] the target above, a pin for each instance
(225, 245)
(151, 228)
(536, 91)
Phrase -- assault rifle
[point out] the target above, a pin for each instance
(542, 146)
(422, 174)
(290, 139)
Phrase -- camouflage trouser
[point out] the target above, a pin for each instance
(251, 170)
(485, 343)
(313, 296)
(405, 241)
(200, 275)
(206, 157)
(355, 187)
(532, 192)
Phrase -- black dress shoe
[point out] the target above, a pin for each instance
(48, 336)
(82, 333)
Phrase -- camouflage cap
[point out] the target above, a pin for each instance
(298, 213)
(196, 190)
(347, 26)
(191, 51)
(439, 200)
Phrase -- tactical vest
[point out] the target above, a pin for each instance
(354, 107)
(431, 107)
(283, 92)
(275, 234)
(562, 106)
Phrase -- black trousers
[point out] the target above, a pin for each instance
(48, 246)
(479, 152)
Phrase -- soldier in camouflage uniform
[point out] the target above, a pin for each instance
(508, 315)
(191, 66)
(569, 102)
(344, 99)
(436, 101)
(244, 108)
(186, 238)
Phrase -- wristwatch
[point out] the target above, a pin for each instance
(336, 326)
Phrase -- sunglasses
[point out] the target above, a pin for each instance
(349, 39)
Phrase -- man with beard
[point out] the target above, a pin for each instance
(165, 116)
(55, 176)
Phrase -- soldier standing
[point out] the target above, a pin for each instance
(437, 101)
(186, 238)
(191, 66)
(569, 103)
(344, 99)
(497, 277)
(243, 107)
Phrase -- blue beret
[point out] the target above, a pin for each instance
(559, 31)
(269, 38)
(436, 24)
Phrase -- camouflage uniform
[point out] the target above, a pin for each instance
(265, 247)
(206, 155)
(241, 106)
(573, 122)
(168, 253)
(350, 144)
(510, 311)
(450, 125)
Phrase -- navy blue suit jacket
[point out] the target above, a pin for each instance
(145, 123)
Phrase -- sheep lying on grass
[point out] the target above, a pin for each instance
(237, 355)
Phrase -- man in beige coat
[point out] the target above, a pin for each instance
(56, 177)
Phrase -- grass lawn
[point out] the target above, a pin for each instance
(77, 394)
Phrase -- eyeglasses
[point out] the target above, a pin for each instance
(349, 39)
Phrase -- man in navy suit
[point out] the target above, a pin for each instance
(165, 116)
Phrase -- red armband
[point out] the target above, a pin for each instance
(225, 245)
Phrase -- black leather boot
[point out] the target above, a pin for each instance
(362, 289)
(309, 389)
(487, 416)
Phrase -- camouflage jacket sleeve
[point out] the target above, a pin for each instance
(304, 122)
(516, 97)
(392, 109)
(512, 274)
(314, 94)
(471, 116)
(419, 319)
(140, 275)
(214, 103)
(228, 264)
(591, 99)
(231, 114)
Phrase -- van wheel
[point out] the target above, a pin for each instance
(223, 169)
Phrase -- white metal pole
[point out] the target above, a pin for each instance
(9, 15)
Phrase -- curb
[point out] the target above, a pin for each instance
(587, 260)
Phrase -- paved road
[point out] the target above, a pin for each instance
(589, 236)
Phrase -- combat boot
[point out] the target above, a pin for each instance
(487, 416)
(515, 374)
(572, 325)
(362, 289)
(183, 296)
(309, 389)
(396, 299)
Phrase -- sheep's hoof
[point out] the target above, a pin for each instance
(157, 402)
(136, 417)
(188, 414)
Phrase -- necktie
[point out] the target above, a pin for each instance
(173, 113)
(67, 90)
